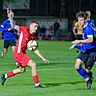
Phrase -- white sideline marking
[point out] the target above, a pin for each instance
(45, 69)
(41, 62)
(50, 69)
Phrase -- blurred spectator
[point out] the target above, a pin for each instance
(56, 26)
(43, 31)
(49, 33)
(71, 31)
(77, 30)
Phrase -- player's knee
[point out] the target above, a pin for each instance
(32, 64)
(77, 66)
(22, 70)
(87, 70)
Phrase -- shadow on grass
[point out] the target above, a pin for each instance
(47, 85)
(59, 84)
(72, 83)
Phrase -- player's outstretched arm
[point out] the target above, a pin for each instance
(40, 56)
(10, 16)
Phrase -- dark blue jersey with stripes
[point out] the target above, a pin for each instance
(7, 35)
(88, 31)
(91, 22)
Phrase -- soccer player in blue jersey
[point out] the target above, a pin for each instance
(90, 22)
(88, 50)
(9, 34)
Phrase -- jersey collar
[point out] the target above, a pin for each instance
(85, 25)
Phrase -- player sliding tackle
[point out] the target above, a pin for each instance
(20, 55)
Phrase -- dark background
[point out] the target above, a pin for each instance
(52, 8)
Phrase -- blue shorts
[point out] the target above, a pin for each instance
(8, 43)
(88, 59)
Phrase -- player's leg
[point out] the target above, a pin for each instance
(11, 74)
(80, 69)
(88, 66)
(13, 45)
(81, 58)
(32, 64)
(83, 73)
(5, 49)
(13, 48)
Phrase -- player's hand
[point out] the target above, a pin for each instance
(76, 42)
(45, 61)
(9, 29)
(10, 13)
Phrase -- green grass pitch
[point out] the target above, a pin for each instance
(59, 77)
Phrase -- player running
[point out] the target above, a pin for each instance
(78, 29)
(88, 50)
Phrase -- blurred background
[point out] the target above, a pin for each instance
(55, 16)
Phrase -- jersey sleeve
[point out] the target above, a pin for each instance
(3, 28)
(90, 32)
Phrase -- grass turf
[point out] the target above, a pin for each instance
(59, 77)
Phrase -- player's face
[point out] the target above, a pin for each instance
(81, 21)
(33, 27)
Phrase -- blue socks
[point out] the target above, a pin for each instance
(82, 72)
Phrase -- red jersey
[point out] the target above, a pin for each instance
(23, 39)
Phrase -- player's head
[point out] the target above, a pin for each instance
(81, 17)
(33, 26)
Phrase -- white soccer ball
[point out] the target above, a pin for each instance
(32, 45)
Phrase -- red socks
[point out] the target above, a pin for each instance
(10, 74)
(36, 79)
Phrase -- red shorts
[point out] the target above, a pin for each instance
(21, 58)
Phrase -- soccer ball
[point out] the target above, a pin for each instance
(32, 45)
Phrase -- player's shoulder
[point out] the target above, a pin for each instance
(92, 20)
(76, 23)
(5, 21)
(89, 28)
(23, 28)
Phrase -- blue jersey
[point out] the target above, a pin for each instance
(7, 35)
(88, 31)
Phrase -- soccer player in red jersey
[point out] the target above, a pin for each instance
(20, 56)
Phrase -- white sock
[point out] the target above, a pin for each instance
(5, 75)
(87, 78)
(17, 63)
(36, 84)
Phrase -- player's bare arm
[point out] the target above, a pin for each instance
(40, 56)
(90, 39)
(10, 15)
